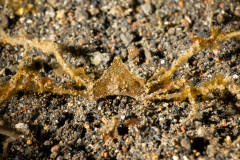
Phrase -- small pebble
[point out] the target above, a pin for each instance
(126, 38)
(124, 53)
(60, 158)
(105, 154)
(124, 29)
(3, 21)
(237, 11)
(60, 14)
(93, 11)
(185, 158)
(198, 154)
(147, 8)
(235, 76)
(185, 143)
(70, 104)
(147, 54)
(29, 21)
(55, 148)
(53, 155)
(175, 158)
(22, 127)
(81, 15)
(47, 143)
(29, 142)
(124, 148)
(162, 61)
(52, 2)
(133, 52)
(220, 18)
(100, 58)
(28, 152)
(228, 139)
(116, 11)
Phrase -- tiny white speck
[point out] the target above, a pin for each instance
(228, 138)
(160, 119)
(235, 76)
(29, 21)
(123, 117)
(175, 158)
(185, 158)
(162, 61)
(57, 27)
(209, 76)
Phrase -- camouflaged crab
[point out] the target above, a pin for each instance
(117, 80)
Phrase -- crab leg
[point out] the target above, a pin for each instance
(46, 47)
(197, 46)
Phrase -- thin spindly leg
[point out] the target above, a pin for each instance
(180, 96)
(6, 90)
(198, 45)
(28, 80)
(46, 47)
(194, 108)
(176, 64)
(175, 96)
(177, 84)
(162, 70)
(33, 82)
